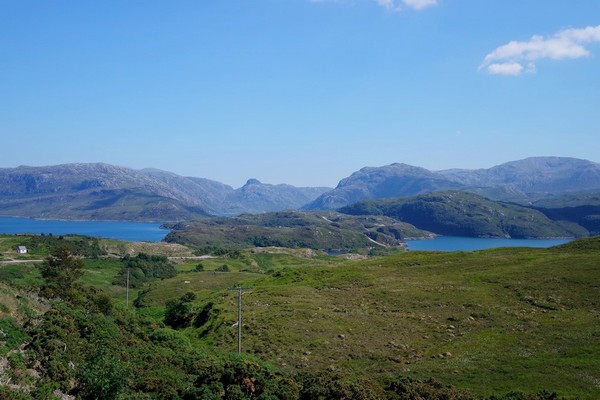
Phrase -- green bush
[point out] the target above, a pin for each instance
(11, 334)
(170, 338)
(144, 268)
(179, 313)
(61, 269)
(223, 268)
(102, 375)
(404, 388)
(331, 386)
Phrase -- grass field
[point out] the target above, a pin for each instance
(491, 322)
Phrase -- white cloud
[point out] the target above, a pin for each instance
(390, 5)
(393, 5)
(420, 4)
(508, 59)
(509, 68)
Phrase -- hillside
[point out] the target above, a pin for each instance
(394, 180)
(253, 197)
(492, 322)
(328, 231)
(520, 181)
(93, 191)
(258, 197)
(519, 324)
(464, 214)
(107, 192)
(534, 176)
(580, 208)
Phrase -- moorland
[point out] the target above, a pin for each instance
(502, 324)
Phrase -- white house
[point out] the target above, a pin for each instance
(22, 250)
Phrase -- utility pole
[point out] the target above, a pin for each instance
(127, 291)
(239, 322)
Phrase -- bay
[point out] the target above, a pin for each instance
(129, 231)
(457, 243)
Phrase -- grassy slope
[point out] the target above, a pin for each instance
(490, 321)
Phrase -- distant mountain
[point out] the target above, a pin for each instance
(210, 194)
(536, 177)
(465, 214)
(107, 192)
(521, 181)
(257, 197)
(93, 191)
(396, 180)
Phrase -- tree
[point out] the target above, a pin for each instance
(223, 268)
(61, 269)
(179, 313)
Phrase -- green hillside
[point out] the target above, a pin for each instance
(480, 324)
(491, 321)
(580, 208)
(325, 230)
(464, 214)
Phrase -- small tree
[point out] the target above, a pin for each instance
(223, 268)
(61, 269)
(179, 313)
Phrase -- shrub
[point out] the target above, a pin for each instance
(179, 313)
(404, 388)
(170, 338)
(60, 270)
(102, 376)
(144, 268)
(223, 268)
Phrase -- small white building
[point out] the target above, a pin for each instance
(22, 250)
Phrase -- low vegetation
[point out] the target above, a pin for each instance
(455, 213)
(326, 230)
(580, 208)
(144, 268)
(495, 324)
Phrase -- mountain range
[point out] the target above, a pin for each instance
(523, 181)
(106, 192)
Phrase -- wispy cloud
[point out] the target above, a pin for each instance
(420, 4)
(394, 5)
(517, 57)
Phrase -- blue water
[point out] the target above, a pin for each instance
(456, 243)
(130, 231)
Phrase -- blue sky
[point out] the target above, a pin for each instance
(297, 91)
